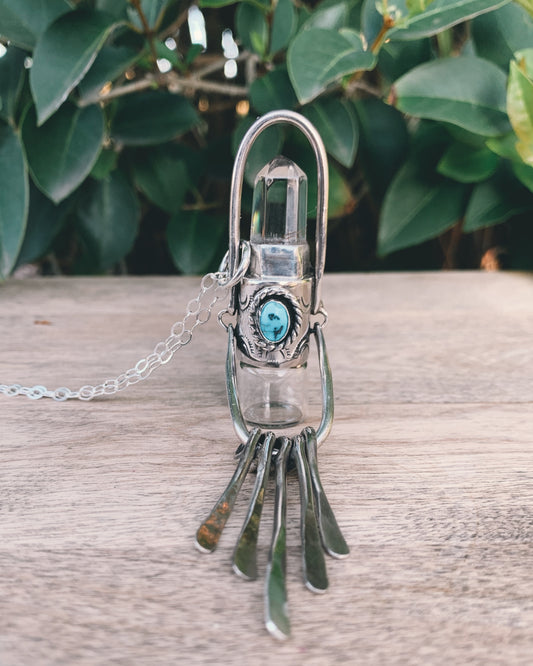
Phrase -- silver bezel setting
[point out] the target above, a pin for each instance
(293, 309)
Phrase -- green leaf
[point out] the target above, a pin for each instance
(284, 24)
(193, 240)
(162, 176)
(273, 91)
(524, 173)
(12, 76)
(334, 54)
(266, 147)
(336, 122)
(329, 15)
(496, 200)
(397, 58)
(110, 63)
(13, 198)
(252, 28)
(63, 55)
(499, 34)
(417, 208)
(505, 146)
(383, 143)
(106, 162)
(520, 109)
(466, 164)
(108, 219)
(45, 220)
(62, 152)
(153, 11)
(415, 7)
(152, 117)
(464, 91)
(439, 15)
(22, 22)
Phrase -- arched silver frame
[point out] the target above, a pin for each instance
(299, 121)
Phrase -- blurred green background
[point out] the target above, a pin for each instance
(119, 121)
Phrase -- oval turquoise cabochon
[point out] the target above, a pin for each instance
(274, 321)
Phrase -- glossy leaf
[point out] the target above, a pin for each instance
(110, 63)
(266, 147)
(193, 240)
(464, 91)
(152, 117)
(439, 15)
(397, 58)
(284, 24)
(496, 200)
(162, 177)
(520, 108)
(13, 198)
(63, 55)
(336, 122)
(417, 208)
(45, 220)
(497, 35)
(252, 28)
(22, 22)
(12, 76)
(415, 7)
(273, 91)
(466, 164)
(383, 145)
(328, 16)
(108, 219)
(335, 54)
(62, 152)
(505, 146)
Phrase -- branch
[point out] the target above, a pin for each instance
(172, 82)
(177, 83)
(388, 23)
(143, 84)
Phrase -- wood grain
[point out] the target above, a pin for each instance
(429, 469)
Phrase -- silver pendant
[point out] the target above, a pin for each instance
(274, 310)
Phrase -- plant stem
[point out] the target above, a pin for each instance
(146, 27)
(388, 23)
(172, 82)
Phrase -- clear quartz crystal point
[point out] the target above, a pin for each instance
(279, 214)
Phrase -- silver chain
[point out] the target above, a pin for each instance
(213, 288)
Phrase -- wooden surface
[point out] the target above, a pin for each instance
(429, 468)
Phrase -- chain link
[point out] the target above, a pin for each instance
(213, 288)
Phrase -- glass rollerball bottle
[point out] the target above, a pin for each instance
(274, 301)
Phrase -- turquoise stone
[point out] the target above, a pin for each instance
(274, 321)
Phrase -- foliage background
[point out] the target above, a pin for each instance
(118, 130)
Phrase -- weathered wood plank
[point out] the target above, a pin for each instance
(429, 469)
